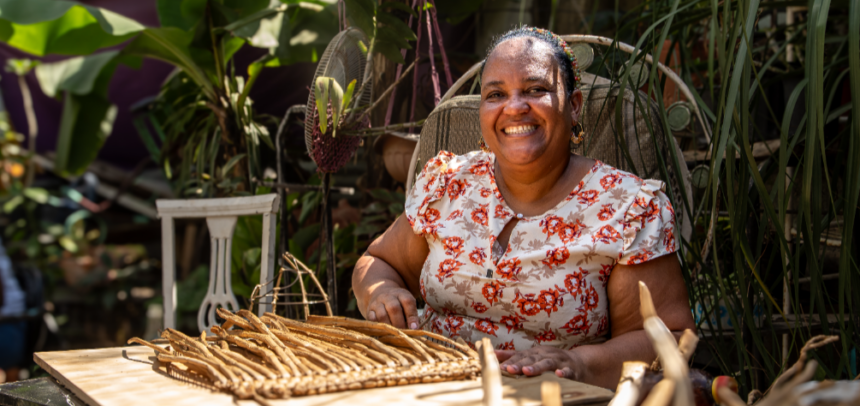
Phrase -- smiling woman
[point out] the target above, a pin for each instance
(539, 249)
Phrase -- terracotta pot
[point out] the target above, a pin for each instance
(396, 154)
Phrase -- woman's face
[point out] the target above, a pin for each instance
(525, 113)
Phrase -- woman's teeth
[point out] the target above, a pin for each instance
(521, 129)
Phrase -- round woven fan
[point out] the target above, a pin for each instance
(344, 59)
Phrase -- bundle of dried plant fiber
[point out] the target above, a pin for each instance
(271, 357)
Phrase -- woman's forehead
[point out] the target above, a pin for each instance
(520, 58)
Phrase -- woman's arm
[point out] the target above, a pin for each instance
(600, 364)
(385, 280)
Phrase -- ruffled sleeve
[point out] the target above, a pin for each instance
(649, 225)
(429, 187)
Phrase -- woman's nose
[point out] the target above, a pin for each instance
(516, 105)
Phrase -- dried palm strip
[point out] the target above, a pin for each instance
(354, 358)
(275, 344)
(181, 337)
(491, 375)
(265, 353)
(214, 375)
(158, 349)
(331, 334)
(404, 342)
(284, 354)
(460, 345)
(320, 365)
(233, 320)
(259, 368)
(627, 392)
(661, 393)
(286, 336)
(454, 354)
(380, 357)
(246, 370)
(368, 327)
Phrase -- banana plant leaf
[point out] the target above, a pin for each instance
(42, 27)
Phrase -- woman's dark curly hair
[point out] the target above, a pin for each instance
(563, 56)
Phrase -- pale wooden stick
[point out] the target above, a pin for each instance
(627, 392)
(674, 366)
(550, 393)
(491, 373)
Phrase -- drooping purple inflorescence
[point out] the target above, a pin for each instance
(332, 153)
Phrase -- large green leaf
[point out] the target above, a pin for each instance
(76, 75)
(85, 124)
(170, 44)
(43, 27)
(360, 14)
(182, 14)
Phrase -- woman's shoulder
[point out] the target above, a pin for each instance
(610, 177)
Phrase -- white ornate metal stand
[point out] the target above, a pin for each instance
(221, 215)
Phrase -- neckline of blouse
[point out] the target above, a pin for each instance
(576, 189)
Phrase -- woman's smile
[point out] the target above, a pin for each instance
(520, 130)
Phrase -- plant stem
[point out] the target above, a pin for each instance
(388, 91)
(382, 130)
(32, 127)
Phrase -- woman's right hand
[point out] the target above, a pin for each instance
(394, 306)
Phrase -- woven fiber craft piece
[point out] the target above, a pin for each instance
(272, 357)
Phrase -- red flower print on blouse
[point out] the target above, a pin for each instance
(605, 270)
(545, 336)
(497, 193)
(479, 215)
(651, 212)
(570, 231)
(606, 235)
(447, 269)
(431, 229)
(550, 224)
(589, 299)
(550, 300)
(641, 257)
(430, 183)
(512, 322)
(669, 240)
(480, 168)
(477, 256)
(527, 304)
(609, 181)
(453, 246)
(578, 325)
(606, 212)
(492, 291)
(454, 215)
(479, 307)
(501, 212)
(509, 269)
(486, 326)
(453, 324)
(508, 346)
(575, 191)
(588, 197)
(457, 188)
(556, 257)
(575, 282)
(431, 215)
(640, 201)
(485, 192)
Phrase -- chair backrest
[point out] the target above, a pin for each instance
(221, 215)
(454, 126)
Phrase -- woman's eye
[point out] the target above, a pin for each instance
(493, 95)
(536, 90)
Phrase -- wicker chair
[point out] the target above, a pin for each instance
(454, 126)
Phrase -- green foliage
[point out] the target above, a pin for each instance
(742, 249)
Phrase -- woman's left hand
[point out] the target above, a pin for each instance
(540, 359)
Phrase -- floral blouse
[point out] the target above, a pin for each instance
(549, 286)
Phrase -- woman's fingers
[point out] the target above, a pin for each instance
(378, 310)
(539, 367)
(395, 311)
(566, 372)
(410, 310)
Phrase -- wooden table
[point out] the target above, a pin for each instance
(130, 376)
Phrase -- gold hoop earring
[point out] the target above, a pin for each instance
(483, 146)
(577, 133)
